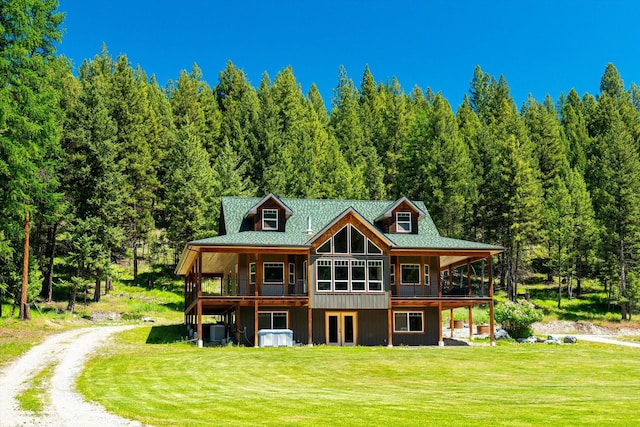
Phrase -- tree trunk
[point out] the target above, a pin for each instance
(107, 285)
(72, 298)
(135, 262)
(96, 293)
(47, 288)
(25, 314)
(559, 291)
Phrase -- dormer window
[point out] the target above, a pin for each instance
(270, 219)
(403, 222)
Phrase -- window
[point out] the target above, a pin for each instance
(426, 275)
(357, 241)
(403, 222)
(358, 275)
(273, 272)
(252, 273)
(410, 274)
(375, 275)
(407, 321)
(292, 273)
(270, 219)
(273, 320)
(349, 240)
(392, 274)
(340, 241)
(341, 275)
(325, 275)
(372, 249)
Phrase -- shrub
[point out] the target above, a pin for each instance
(517, 317)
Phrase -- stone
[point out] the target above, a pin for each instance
(570, 339)
(501, 333)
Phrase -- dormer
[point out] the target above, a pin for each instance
(401, 217)
(269, 214)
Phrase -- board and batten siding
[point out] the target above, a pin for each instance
(372, 327)
(430, 334)
(297, 322)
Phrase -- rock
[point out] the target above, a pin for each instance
(570, 339)
(102, 316)
(501, 333)
(147, 319)
(552, 340)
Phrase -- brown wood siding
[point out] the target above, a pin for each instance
(404, 207)
(372, 327)
(269, 204)
(430, 334)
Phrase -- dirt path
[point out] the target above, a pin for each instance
(65, 407)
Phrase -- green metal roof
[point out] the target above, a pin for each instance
(322, 212)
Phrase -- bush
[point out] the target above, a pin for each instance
(517, 317)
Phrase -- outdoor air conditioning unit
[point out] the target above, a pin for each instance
(217, 333)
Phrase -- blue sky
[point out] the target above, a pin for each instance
(541, 47)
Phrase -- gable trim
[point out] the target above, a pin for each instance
(389, 212)
(360, 218)
(254, 208)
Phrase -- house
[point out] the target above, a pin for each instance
(341, 272)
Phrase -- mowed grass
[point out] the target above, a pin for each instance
(510, 384)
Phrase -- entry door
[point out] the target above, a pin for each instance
(341, 328)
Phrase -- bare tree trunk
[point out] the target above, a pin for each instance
(47, 289)
(97, 291)
(72, 298)
(135, 261)
(25, 313)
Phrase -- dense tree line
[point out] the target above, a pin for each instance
(108, 160)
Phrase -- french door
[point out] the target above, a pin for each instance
(341, 327)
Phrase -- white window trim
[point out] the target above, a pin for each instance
(408, 331)
(343, 263)
(264, 276)
(409, 284)
(292, 273)
(404, 221)
(392, 274)
(350, 227)
(252, 280)
(318, 265)
(264, 220)
(358, 263)
(271, 313)
(381, 281)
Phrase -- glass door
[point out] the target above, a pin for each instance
(341, 328)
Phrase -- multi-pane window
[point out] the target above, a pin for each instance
(392, 274)
(292, 273)
(270, 219)
(410, 274)
(375, 275)
(403, 222)
(252, 273)
(358, 275)
(408, 321)
(324, 274)
(273, 272)
(273, 319)
(341, 275)
(349, 241)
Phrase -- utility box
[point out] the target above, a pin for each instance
(217, 333)
(275, 338)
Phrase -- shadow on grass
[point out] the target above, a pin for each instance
(165, 334)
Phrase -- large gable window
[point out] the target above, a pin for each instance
(270, 219)
(349, 240)
(403, 222)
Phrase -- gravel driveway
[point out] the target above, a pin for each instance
(65, 407)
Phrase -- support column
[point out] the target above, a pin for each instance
(389, 328)
(310, 326)
(451, 322)
(256, 343)
(470, 295)
(440, 340)
(492, 336)
(200, 340)
(238, 324)
(470, 322)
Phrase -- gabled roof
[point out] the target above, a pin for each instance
(254, 209)
(352, 211)
(322, 213)
(394, 205)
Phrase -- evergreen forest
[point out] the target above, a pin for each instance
(103, 162)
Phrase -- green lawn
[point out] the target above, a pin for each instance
(510, 384)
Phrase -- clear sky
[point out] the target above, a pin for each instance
(541, 47)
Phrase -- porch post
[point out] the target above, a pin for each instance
(238, 324)
(492, 336)
(255, 321)
(424, 276)
(389, 328)
(200, 340)
(451, 323)
(470, 295)
(440, 340)
(310, 325)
